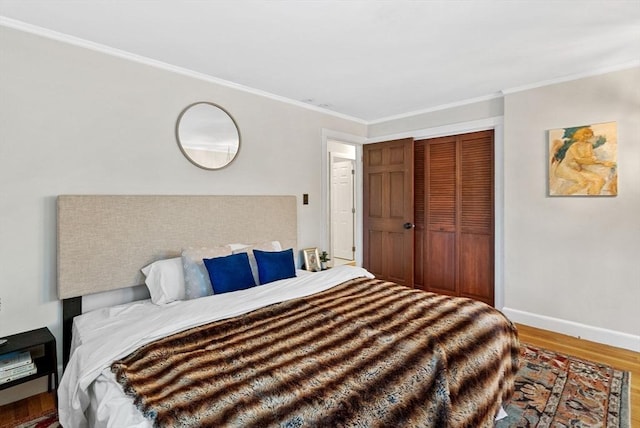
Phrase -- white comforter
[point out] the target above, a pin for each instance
(105, 335)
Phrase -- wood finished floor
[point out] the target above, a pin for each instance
(619, 358)
(29, 408)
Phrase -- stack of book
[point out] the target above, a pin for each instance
(16, 365)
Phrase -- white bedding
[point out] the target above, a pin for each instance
(89, 394)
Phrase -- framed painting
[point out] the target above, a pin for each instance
(583, 160)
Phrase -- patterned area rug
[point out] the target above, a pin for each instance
(49, 420)
(556, 390)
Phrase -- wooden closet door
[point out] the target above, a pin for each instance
(454, 215)
(476, 232)
(437, 226)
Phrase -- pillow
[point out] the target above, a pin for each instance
(263, 246)
(230, 273)
(196, 279)
(165, 280)
(236, 247)
(275, 265)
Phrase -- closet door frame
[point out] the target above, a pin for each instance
(497, 124)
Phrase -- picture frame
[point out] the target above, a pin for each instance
(311, 259)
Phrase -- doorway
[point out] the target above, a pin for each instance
(342, 202)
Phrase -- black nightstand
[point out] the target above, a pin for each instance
(42, 346)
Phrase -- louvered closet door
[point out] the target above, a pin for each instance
(454, 215)
(476, 237)
(435, 202)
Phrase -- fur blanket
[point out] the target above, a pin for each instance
(364, 353)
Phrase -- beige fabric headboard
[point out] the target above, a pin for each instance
(104, 240)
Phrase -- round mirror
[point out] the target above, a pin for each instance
(207, 135)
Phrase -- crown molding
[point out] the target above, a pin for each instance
(83, 43)
(571, 77)
(502, 93)
(76, 41)
(436, 108)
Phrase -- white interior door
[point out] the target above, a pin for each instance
(342, 208)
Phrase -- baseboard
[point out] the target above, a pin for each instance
(570, 328)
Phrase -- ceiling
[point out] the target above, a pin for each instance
(367, 60)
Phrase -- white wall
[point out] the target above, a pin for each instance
(76, 121)
(573, 261)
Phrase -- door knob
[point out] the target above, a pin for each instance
(408, 225)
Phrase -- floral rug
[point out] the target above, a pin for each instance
(48, 420)
(556, 390)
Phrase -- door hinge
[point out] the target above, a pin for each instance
(353, 210)
(353, 249)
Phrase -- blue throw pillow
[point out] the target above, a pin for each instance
(229, 273)
(275, 265)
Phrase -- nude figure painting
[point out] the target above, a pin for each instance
(582, 160)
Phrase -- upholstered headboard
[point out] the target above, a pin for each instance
(103, 241)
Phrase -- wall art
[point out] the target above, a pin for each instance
(583, 160)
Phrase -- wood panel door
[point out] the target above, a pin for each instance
(454, 202)
(388, 210)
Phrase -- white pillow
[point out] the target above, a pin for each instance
(264, 246)
(248, 248)
(196, 278)
(165, 280)
(236, 247)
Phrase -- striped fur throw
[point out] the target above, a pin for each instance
(365, 353)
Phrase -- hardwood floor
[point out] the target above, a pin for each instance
(616, 357)
(29, 408)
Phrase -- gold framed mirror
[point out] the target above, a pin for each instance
(207, 135)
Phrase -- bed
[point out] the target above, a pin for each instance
(332, 348)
